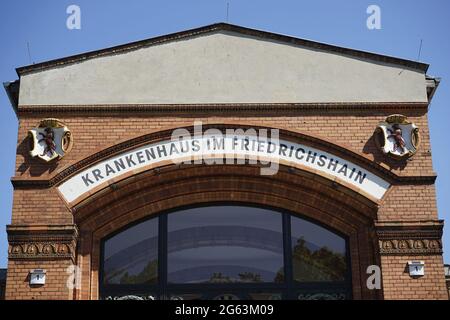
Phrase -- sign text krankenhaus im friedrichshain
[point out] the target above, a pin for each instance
(234, 147)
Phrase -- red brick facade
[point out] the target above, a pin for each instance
(46, 232)
(375, 229)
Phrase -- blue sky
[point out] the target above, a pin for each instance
(106, 23)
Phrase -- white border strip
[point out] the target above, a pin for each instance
(233, 149)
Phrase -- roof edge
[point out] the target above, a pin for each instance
(219, 27)
(12, 90)
(432, 84)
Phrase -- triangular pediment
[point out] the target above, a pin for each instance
(223, 64)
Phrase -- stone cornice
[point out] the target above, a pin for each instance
(42, 242)
(411, 238)
(161, 109)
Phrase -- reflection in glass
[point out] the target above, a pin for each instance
(131, 257)
(225, 244)
(318, 254)
(225, 252)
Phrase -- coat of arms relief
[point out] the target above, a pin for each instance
(50, 140)
(397, 137)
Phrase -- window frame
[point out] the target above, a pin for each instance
(289, 288)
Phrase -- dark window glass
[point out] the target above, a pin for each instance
(318, 254)
(226, 253)
(131, 257)
(225, 244)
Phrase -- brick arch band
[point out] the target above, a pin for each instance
(131, 145)
(175, 187)
(171, 187)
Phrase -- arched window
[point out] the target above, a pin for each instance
(225, 252)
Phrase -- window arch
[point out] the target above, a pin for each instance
(225, 251)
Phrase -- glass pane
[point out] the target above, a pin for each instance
(131, 257)
(225, 244)
(317, 253)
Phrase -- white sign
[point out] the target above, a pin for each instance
(416, 268)
(37, 277)
(223, 150)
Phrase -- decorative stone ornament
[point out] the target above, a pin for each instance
(42, 242)
(397, 137)
(402, 240)
(50, 140)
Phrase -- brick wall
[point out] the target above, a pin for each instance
(354, 130)
(351, 128)
(55, 288)
(398, 284)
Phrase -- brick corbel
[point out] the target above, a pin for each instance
(42, 242)
(410, 238)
